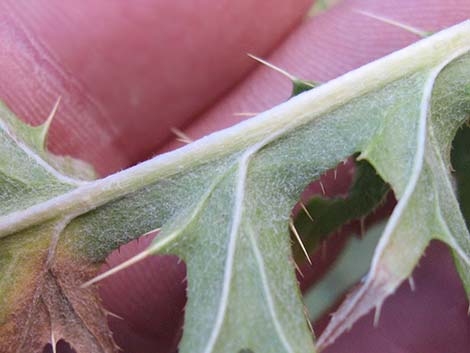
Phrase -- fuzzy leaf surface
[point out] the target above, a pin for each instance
(223, 205)
(40, 297)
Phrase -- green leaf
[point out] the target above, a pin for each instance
(39, 284)
(323, 216)
(223, 204)
(461, 164)
(34, 139)
(366, 193)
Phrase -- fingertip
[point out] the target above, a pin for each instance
(128, 72)
(325, 47)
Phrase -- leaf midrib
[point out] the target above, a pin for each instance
(293, 113)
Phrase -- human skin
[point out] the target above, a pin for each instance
(129, 71)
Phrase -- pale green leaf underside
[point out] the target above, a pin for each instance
(25, 179)
(223, 203)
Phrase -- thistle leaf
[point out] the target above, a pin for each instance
(34, 139)
(223, 205)
(39, 284)
(323, 216)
